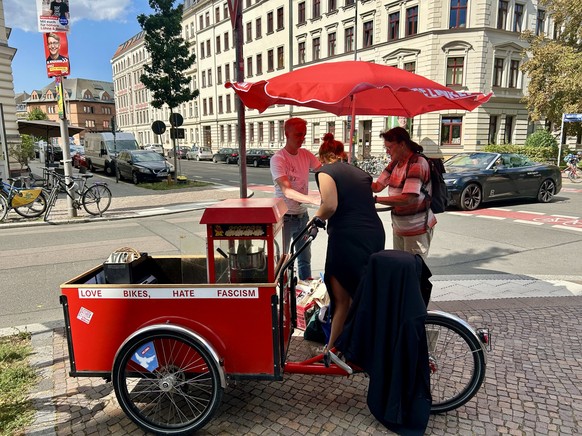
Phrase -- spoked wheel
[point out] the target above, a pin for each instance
(167, 382)
(546, 191)
(575, 177)
(3, 208)
(471, 197)
(456, 361)
(96, 199)
(34, 209)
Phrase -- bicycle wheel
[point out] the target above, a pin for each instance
(34, 209)
(456, 360)
(575, 177)
(52, 199)
(96, 199)
(167, 382)
(3, 208)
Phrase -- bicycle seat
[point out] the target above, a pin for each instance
(87, 176)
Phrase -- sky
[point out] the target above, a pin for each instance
(97, 28)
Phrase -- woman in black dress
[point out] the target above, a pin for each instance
(354, 229)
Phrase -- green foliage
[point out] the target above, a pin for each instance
(541, 138)
(534, 152)
(169, 55)
(16, 379)
(37, 114)
(24, 151)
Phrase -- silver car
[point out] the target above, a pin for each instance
(199, 153)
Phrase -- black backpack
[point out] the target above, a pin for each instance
(439, 200)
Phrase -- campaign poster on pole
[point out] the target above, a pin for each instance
(53, 15)
(56, 50)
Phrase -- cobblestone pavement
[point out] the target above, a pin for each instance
(533, 385)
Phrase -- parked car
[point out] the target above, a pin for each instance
(259, 156)
(199, 153)
(228, 155)
(180, 152)
(476, 178)
(79, 160)
(142, 165)
(158, 148)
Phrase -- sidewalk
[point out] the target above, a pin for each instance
(532, 384)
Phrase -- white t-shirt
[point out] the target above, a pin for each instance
(296, 168)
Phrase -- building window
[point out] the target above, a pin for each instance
(210, 106)
(271, 132)
(492, 129)
(331, 127)
(204, 107)
(260, 131)
(221, 133)
(350, 2)
(315, 132)
(410, 67)
(201, 22)
(331, 5)
(508, 131)
(280, 58)
(349, 40)
(249, 31)
(220, 108)
(259, 28)
(209, 77)
(204, 79)
(251, 132)
(540, 22)
(316, 48)
(270, 22)
(455, 71)
(201, 50)
(368, 34)
(228, 107)
(280, 18)
(226, 73)
(301, 53)
(331, 43)
(219, 75)
(458, 14)
(301, 19)
(513, 74)
(281, 131)
(218, 44)
(259, 64)
(502, 14)
(217, 14)
(412, 21)
(207, 16)
(316, 9)
(89, 123)
(226, 46)
(517, 17)
(393, 24)
(451, 128)
(270, 60)
(229, 133)
(249, 67)
(208, 52)
(497, 71)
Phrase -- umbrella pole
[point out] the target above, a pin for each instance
(351, 154)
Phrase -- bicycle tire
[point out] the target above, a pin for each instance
(34, 209)
(457, 362)
(575, 177)
(96, 199)
(3, 208)
(52, 199)
(177, 397)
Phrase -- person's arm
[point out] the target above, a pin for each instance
(397, 200)
(382, 181)
(292, 194)
(328, 192)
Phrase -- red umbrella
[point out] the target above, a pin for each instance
(356, 88)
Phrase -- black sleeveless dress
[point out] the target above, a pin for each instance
(354, 231)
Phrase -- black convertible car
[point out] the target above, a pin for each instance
(475, 178)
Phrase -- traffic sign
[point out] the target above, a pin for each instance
(176, 120)
(177, 133)
(158, 127)
(572, 118)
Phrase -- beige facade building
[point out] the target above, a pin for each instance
(468, 45)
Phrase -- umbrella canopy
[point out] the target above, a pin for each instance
(44, 128)
(356, 88)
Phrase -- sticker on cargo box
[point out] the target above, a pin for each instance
(85, 315)
(170, 293)
(146, 357)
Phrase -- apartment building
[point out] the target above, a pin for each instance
(468, 45)
(89, 103)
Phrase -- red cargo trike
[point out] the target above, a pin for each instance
(171, 332)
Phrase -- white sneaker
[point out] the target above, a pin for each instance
(343, 365)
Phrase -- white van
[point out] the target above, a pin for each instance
(102, 148)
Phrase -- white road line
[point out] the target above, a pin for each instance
(578, 229)
(491, 217)
(567, 216)
(535, 223)
(532, 213)
(459, 213)
(500, 208)
(215, 178)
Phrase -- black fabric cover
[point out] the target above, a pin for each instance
(385, 336)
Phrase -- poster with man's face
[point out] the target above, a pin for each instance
(56, 51)
(53, 15)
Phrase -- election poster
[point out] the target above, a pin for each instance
(53, 15)
(56, 51)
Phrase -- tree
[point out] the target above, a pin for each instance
(37, 114)
(169, 55)
(555, 65)
(24, 151)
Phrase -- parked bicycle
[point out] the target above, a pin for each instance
(372, 165)
(95, 199)
(28, 203)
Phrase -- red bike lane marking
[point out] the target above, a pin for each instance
(557, 221)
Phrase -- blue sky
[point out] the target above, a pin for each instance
(98, 27)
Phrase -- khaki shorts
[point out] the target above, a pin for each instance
(417, 244)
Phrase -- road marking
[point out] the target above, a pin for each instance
(533, 213)
(562, 222)
(578, 229)
(528, 222)
(567, 216)
(491, 217)
(500, 208)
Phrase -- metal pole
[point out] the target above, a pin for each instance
(560, 141)
(351, 148)
(67, 162)
(240, 77)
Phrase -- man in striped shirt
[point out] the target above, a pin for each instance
(412, 220)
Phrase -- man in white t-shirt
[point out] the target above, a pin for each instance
(290, 170)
